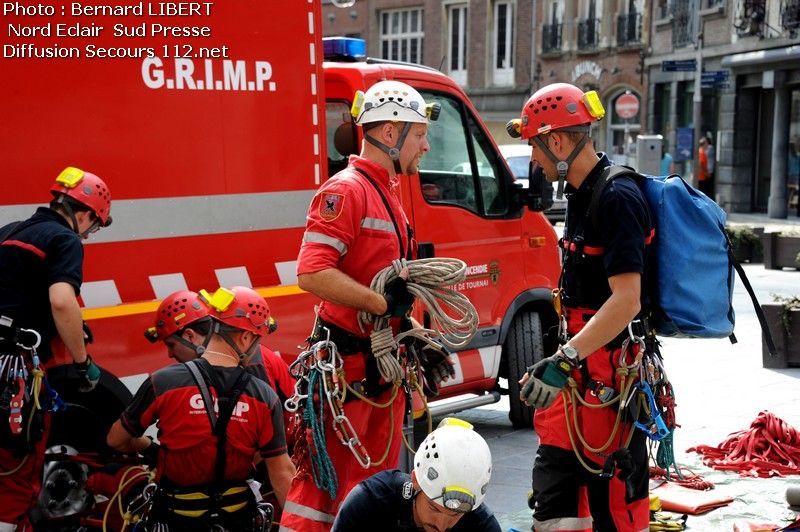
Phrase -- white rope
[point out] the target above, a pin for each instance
(454, 319)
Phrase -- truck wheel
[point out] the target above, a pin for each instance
(84, 424)
(523, 347)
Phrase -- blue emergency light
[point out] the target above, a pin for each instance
(344, 49)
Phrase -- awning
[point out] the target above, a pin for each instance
(761, 57)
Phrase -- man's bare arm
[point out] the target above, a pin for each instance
(337, 287)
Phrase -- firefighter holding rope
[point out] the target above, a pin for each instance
(356, 228)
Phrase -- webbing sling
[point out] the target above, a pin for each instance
(202, 372)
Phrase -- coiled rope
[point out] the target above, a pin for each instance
(454, 319)
(770, 447)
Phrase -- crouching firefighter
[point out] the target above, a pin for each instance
(591, 468)
(213, 419)
(41, 272)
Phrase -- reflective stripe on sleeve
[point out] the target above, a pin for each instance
(577, 524)
(378, 224)
(307, 512)
(319, 238)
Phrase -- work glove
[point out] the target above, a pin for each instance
(150, 454)
(398, 299)
(436, 367)
(88, 374)
(545, 380)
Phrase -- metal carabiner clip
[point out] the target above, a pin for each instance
(36, 344)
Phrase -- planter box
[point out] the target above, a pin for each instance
(786, 343)
(780, 251)
(749, 251)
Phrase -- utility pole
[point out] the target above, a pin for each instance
(697, 97)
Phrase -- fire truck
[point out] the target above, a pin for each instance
(213, 136)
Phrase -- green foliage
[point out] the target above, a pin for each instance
(743, 237)
(788, 304)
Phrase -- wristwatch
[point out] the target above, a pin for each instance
(571, 354)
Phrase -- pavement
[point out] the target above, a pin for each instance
(720, 388)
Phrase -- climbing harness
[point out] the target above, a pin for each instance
(320, 385)
(22, 381)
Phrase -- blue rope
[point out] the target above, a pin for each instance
(321, 466)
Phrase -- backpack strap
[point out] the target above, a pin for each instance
(609, 174)
(762, 320)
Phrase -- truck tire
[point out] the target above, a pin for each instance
(524, 347)
(84, 424)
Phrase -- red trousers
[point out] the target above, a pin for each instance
(567, 496)
(20, 490)
(309, 509)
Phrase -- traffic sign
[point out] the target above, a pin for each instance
(684, 149)
(627, 106)
(684, 65)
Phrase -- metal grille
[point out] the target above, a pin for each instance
(750, 17)
(790, 15)
(588, 33)
(551, 37)
(629, 29)
(681, 23)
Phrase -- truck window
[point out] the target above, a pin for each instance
(461, 168)
(341, 135)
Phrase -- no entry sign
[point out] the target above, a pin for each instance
(627, 106)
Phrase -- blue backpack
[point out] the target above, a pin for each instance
(692, 293)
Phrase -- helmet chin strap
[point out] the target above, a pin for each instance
(562, 166)
(243, 355)
(393, 153)
(68, 209)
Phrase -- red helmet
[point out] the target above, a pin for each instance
(177, 311)
(87, 189)
(239, 307)
(556, 106)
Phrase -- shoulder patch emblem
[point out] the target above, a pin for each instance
(330, 206)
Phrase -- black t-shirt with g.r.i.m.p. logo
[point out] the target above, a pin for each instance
(171, 397)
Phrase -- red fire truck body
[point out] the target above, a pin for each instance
(213, 156)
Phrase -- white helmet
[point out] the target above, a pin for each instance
(389, 100)
(453, 466)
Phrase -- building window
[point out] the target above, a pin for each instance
(629, 25)
(790, 16)
(750, 17)
(402, 35)
(589, 28)
(551, 32)
(457, 42)
(503, 71)
(682, 24)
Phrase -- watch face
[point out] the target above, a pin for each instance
(570, 352)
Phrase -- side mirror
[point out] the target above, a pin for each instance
(540, 191)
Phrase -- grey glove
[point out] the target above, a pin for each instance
(88, 374)
(436, 363)
(546, 379)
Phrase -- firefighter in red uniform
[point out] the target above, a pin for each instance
(183, 323)
(196, 461)
(601, 294)
(41, 271)
(356, 227)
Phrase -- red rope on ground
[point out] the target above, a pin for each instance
(771, 447)
(687, 478)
